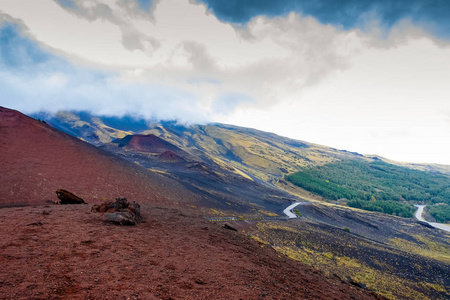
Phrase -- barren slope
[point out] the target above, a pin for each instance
(70, 253)
(37, 160)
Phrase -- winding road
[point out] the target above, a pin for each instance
(288, 210)
(418, 216)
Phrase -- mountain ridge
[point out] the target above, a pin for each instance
(367, 249)
(57, 251)
(171, 131)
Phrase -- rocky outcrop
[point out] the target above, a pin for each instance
(66, 197)
(120, 212)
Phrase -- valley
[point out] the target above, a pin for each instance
(207, 149)
(195, 179)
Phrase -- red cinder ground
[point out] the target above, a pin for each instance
(68, 252)
(36, 160)
(148, 143)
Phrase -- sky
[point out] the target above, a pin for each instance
(365, 76)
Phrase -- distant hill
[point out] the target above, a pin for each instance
(68, 251)
(226, 174)
(266, 158)
(264, 155)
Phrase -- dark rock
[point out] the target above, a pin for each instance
(101, 208)
(120, 212)
(121, 217)
(66, 197)
(199, 281)
(35, 224)
(135, 209)
(226, 226)
(120, 203)
(356, 283)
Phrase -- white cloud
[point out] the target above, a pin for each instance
(359, 90)
(181, 41)
(392, 102)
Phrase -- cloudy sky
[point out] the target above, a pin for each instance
(365, 76)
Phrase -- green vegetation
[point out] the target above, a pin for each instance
(441, 212)
(378, 186)
(388, 207)
(347, 229)
(424, 246)
(297, 212)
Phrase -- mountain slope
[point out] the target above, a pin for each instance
(238, 171)
(37, 160)
(60, 252)
(266, 158)
(216, 153)
(261, 155)
(199, 180)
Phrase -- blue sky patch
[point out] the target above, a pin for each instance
(145, 4)
(17, 51)
(67, 3)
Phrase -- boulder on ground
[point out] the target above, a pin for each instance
(120, 212)
(66, 197)
(226, 226)
(121, 217)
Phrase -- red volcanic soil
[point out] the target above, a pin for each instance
(147, 143)
(68, 252)
(36, 160)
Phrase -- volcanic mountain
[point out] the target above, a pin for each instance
(248, 176)
(37, 160)
(52, 251)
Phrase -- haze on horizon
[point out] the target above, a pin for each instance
(367, 77)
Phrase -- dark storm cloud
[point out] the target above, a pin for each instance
(431, 14)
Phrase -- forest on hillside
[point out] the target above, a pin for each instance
(378, 186)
